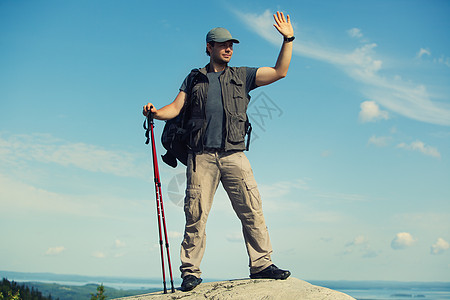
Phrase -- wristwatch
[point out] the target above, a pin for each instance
(290, 39)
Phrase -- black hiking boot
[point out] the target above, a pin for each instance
(190, 282)
(271, 272)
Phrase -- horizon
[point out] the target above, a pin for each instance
(351, 150)
(205, 279)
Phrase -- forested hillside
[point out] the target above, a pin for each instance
(51, 291)
(14, 291)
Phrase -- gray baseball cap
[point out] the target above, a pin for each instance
(220, 35)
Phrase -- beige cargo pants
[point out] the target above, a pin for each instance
(234, 171)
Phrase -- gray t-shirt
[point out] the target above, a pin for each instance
(215, 114)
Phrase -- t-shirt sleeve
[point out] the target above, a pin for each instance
(251, 79)
(184, 85)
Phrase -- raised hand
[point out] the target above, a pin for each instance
(283, 25)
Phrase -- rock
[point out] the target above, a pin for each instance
(251, 289)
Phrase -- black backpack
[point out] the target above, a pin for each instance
(174, 140)
(175, 134)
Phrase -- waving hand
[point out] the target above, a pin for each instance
(283, 25)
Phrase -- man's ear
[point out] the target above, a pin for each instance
(209, 47)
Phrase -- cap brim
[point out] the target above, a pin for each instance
(226, 40)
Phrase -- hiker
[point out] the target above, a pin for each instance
(214, 100)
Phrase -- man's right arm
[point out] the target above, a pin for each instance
(169, 111)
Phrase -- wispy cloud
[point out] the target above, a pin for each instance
(442, 59)
(445, 60)
(421, 147)
(17, 196)
(361, 245)
(342, 196)
(98, 254)
(21, 196)
(235, 237)
(433, 221)
(403, 97)
(53, 251)
(423, 52)
(359, 240)
(355, 33)
(281, 188)
(379, 141)
(44, 148)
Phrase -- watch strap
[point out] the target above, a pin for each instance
(290, 39)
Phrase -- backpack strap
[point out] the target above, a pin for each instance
(249, 135)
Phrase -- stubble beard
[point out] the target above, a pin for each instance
(220, 60)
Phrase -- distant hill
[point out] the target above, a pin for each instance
(83, 292)
(75, 279)
(79, 287)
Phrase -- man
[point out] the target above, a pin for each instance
(214, 99)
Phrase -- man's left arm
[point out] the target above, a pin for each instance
(267, 75)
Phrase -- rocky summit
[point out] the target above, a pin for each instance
(251, 289)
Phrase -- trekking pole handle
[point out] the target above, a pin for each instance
(150, 116)
(149, 125)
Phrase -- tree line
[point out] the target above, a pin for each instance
(11, 290)
(14, 291)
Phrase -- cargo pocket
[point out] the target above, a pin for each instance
(236, 125)
(240, 96)
(238, 87)
(192, 204)
(253, 193)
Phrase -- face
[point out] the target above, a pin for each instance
(221, 52)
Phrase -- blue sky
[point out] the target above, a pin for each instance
(350, 150)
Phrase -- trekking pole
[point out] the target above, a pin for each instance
(159, 204)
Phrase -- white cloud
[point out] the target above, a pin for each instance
(423, 52)
(440, 246)
(402, 240)
(379, 141)
(393, 93)
(355, 33)
(55, 250)
(421, 147)
(370, 112)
